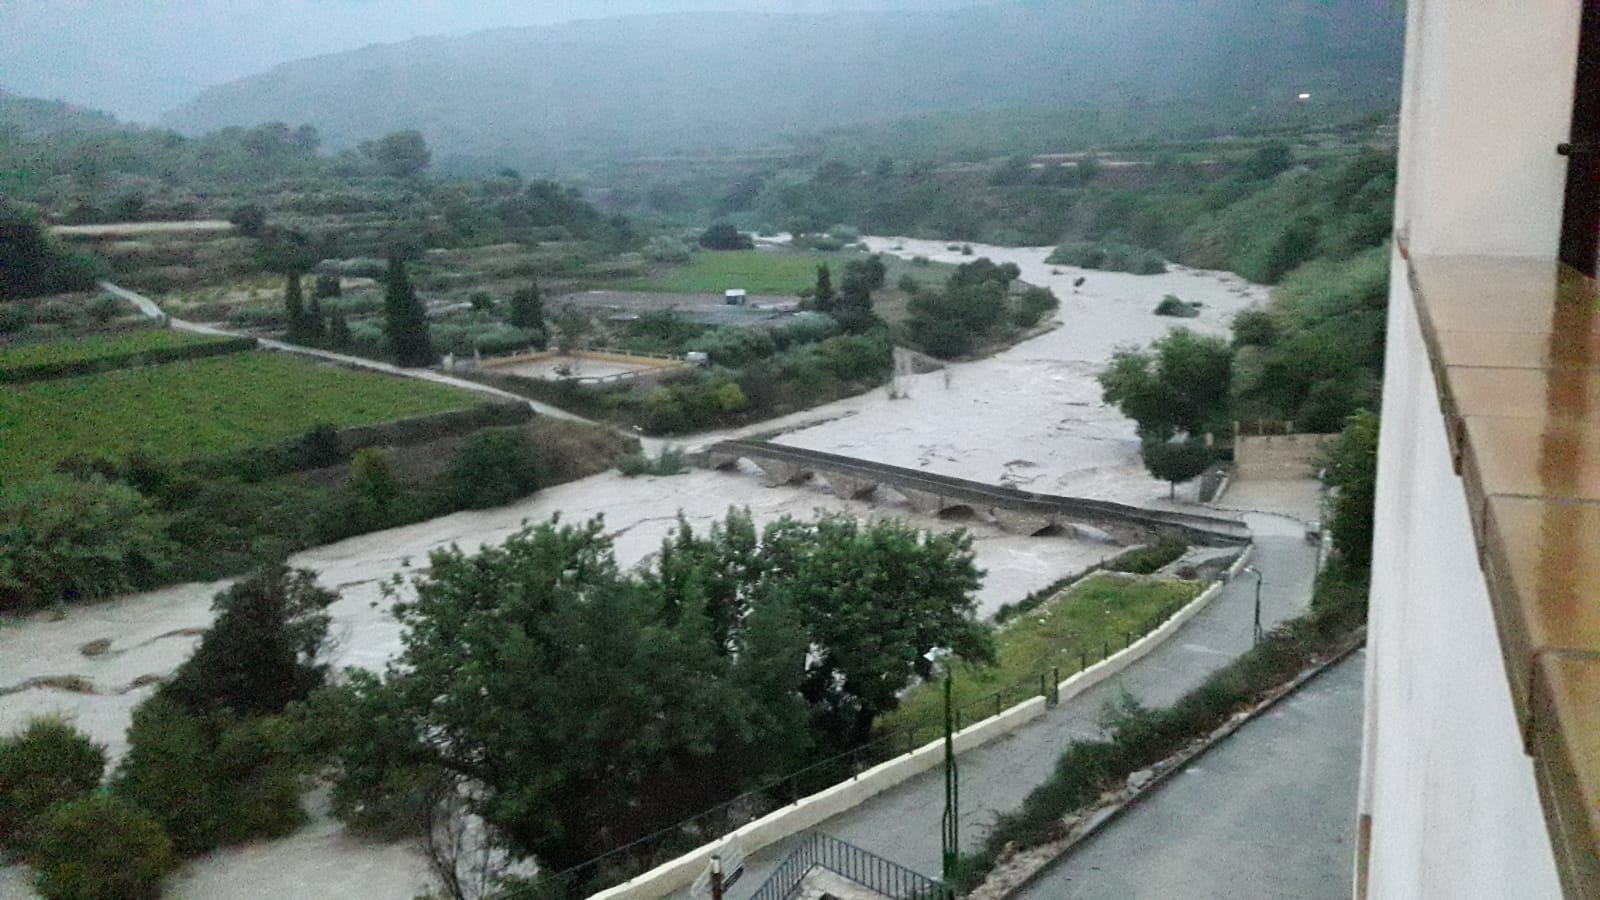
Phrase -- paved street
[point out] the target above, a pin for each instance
(902, 824)
(1270, 813)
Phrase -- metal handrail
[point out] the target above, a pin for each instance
(819, 850)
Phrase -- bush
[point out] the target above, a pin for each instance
(1170, 305)
(1111, 256)
(494, 467)
(1254, 328)
(48, 763)
(723, 236)
(211, 781)
(668, 462)
(1148, 559)
(69, 540)
(101, 848)
(327, 287)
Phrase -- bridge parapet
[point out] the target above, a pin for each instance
(1021, 512)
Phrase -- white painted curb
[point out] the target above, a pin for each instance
(1136, 651)
(807, 812)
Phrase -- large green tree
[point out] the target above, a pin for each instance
(594, 705)
(31, 263)
(1179, 386)
(874, 600)
(400, 154)
(263, 651)
(540, 671)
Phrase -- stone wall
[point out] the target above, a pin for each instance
(1278, 457)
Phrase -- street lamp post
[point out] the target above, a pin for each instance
(1256, 632)
(950, 836)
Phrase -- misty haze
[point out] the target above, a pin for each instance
(680, 448)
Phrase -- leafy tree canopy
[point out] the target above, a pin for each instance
(1180, 385)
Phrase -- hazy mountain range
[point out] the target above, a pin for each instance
(647, 85)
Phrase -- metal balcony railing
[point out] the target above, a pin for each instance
(822, 851)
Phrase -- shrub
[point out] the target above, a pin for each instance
(209, 780)
(372, 478)
(327, 286)
(101, 848)
(668, 462)
(1254, 328)
(494, 467)
(1170, 305)
(1111, 256)
(49, 762)
(723, 236)
(1148, 559)
(69, 540)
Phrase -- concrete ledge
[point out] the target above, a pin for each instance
(810, 811)
(1136, 651)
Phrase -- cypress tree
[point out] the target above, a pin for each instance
(406, 322)
(313, 324)
(294, 307)
(527, 307)
(823, 295)
(339, 337)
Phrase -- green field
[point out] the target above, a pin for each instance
(757, 271)
(98, 347)
(189, 409)
(1099, 612)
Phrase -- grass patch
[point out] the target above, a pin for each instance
(1097, 616)
(757, 271)
(196, 408)
(98, 347)
(83, 355)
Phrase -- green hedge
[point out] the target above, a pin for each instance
(326, 446)
(67, 368)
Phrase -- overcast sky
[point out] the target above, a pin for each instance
(139, 58)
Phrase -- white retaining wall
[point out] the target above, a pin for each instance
(810, 811)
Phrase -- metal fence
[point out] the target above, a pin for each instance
(624, 862)
(817, 850)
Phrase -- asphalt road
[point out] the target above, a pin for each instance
(1269, 813)
(902, 824)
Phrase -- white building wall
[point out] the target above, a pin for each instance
(1454, 809)
(1447, 789)
(1488, 97)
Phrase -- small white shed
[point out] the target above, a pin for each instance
(733, 297)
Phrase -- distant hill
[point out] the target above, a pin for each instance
(29, 118)
(639, 86)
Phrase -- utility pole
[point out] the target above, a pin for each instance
(950, 834)
(716, 877)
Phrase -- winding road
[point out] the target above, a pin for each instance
(902, 824)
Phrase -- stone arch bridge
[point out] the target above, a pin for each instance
(1017, 511)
